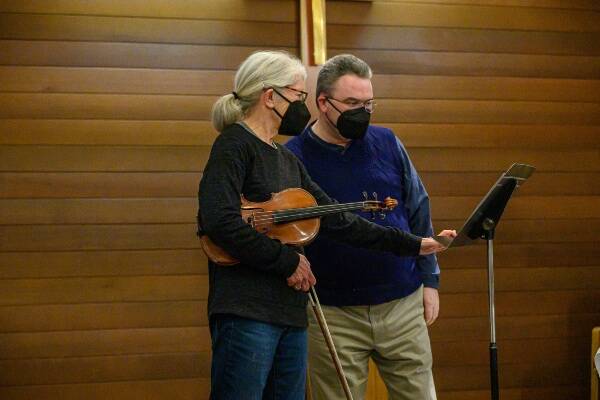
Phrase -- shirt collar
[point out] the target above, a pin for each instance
(330, 146)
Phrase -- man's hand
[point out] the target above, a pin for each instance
(302, 278)
(431, 303)
(430, 246)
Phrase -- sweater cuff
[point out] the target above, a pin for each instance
(431, 280)
(289, 261)
(413, 245)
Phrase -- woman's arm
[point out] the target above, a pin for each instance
(219, 212)
(357, 231)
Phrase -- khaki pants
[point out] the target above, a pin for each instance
(393, 334)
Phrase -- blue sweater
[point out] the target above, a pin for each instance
(378, 163)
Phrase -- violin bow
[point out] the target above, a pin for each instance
(316, 306)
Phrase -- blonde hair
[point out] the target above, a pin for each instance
(262, 69)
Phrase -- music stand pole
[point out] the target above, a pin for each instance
(489, 229)
(482, 225)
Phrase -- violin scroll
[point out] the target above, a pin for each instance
(390, 203)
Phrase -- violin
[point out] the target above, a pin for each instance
(291, 216)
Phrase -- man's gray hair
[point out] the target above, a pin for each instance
(338, 66)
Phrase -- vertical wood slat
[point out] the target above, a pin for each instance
(595, 379)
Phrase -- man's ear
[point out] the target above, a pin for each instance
(322, 102)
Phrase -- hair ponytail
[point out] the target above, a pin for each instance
(226, 111)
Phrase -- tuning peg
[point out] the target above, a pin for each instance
(375, 196)
(365, 195)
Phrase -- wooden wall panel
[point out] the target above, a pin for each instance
(182, 210)
(101, 316)
(115, 80)
(572, 4)
(147, 30)
(453, 39)
(230, 10)
(192, 158)
(477, 64)
(141, 132)
(172, 107)
(181, 184)
(102, 369)
(456, 14)
(104, 132)
(200, 82)
(104, 289)
(97, 184)
(109, 132)
(127, 55)
(470, 87)
(175, 389)
(106, 342)
(103, 263)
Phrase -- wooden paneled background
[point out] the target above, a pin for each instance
(104, 133)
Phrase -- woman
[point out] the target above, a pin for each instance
(257, 309)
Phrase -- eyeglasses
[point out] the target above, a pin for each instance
(302, 95)
(368, 105)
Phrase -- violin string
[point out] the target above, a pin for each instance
(309, 213)
(304, 214)
(298, 216)
(294, 211)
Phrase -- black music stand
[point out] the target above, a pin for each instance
(482, 225)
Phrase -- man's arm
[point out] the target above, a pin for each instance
(416, 201)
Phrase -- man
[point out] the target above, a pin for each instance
(380, 312)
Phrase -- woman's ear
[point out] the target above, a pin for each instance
(267, 98)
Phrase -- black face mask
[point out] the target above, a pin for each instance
(352, 124)
(295, 118)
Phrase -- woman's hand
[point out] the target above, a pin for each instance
(430, 245)
(302, 278)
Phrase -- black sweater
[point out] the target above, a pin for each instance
(256, 288)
